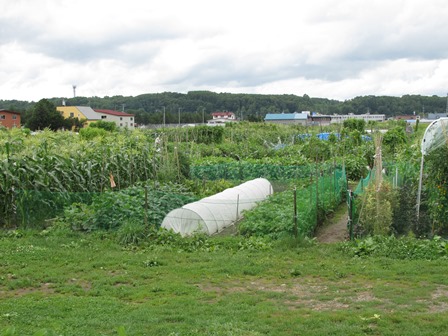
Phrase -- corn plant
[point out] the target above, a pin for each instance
(64, 162)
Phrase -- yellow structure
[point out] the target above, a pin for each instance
(121, 119)
(80, 112)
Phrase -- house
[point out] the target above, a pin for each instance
(221, 118)
(9, 119)
(122, 119)
(80, 112)
(295, 118)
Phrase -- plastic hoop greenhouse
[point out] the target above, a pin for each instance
(212, 214)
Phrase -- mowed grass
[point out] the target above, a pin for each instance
(90, 285)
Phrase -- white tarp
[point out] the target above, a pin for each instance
(212, 214)
(436, 135)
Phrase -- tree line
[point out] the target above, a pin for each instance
(196, 106)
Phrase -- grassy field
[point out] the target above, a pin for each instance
(90, 285)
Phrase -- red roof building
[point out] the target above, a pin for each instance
(9, 119)
(120, 118)
(115, 113)
(222, 117)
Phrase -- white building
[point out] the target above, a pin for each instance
(222, 117)
(339, 118)
(121, 119)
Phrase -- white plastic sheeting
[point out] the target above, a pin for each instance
(212, 214)
(436, 135)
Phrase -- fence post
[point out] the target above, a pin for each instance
(350, 214)
(237, 206)
(296, 229)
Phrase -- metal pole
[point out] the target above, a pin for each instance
(420, 188)
(237, 206)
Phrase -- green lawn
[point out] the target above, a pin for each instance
(90, 285)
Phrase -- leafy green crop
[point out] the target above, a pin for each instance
(406, 247)
(110, 210)
(275, 216)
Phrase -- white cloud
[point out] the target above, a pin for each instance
(325, 48)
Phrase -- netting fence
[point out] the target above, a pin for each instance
(355, 199)
(298, 211)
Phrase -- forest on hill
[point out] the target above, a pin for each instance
(196, 106)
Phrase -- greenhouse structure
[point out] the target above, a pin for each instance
(212, 214)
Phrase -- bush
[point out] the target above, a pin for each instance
(355, 167)
(109, 126)
(90, 133)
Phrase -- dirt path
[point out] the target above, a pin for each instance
(335, 229)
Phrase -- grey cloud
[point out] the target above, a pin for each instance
(84, 48)
(222, 70)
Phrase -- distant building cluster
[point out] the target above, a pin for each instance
(121, 119)
(11, 119)
(308, 118)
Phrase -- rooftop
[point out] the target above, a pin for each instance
(115, 113)
(286, 116)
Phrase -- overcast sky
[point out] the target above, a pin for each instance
(336, 49)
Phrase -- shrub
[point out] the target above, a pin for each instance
(90, 133)
(355, 167)
(109, 126)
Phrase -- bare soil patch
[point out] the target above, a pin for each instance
(335, 228)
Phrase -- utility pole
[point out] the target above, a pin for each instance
(164, 117)
(179, 115)
(203, 116)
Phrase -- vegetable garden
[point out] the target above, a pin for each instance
(103, 181)
(82, 250)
